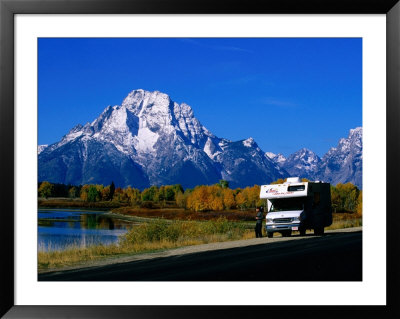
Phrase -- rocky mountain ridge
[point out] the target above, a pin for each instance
(151, 140)
(341, 164)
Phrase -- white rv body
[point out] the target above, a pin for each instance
(297, 205)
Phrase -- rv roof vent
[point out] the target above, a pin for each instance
(291, 180)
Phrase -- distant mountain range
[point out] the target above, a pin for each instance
(151, 140)
(341, 164)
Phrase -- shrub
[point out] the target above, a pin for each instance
(173, 231)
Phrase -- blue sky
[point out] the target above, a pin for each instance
(285, 93)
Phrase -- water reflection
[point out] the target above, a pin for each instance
(58, 229)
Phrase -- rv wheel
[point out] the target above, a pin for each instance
(270, 234)
(319, 231)
(302, 231)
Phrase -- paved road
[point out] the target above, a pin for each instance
(337, 256)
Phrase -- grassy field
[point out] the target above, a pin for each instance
(159, 234)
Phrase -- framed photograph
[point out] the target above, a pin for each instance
(339, 61)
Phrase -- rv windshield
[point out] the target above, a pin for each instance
(284, 204)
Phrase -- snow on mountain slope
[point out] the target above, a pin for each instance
(41, 148)
(278, 158)
(340, 164)
(343, 163)
(151, 140)
(302, 163)
(164, 141)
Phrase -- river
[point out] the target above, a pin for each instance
(59, 229)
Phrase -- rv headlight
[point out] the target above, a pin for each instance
(269, 220)
(295, 219)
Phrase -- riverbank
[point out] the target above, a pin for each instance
(149, 236)
(183, 214)
(155, 235)
(68, 203)
(156, 211)
(167, 228)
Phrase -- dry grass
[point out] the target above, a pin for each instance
(345, 220)
(152, 236)
(166, 234)
(77, 255)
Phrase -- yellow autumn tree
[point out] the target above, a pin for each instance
(359, 204)
(73, 192)
(46, 189)
(198, 199)
(252, 196)
(205, 198)
(105, 193)
(133, 195)
(181, 199)
(216, 203)
(99, 189)
(240, 200)
(228, 198)
(84, 192)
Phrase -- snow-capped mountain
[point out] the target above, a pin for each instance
(343, 163)
(151, 140)
(340, 164)
(41, 148)
(245, 164)
(277, 158)
(302, 163)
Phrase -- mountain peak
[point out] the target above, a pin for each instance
(270, 155)
(355, 133)
(151, 140)
(277, 158)
(357, 129)
(346, 145)
(303, 163)
(343, 163)
(138, 101)
(249, 142)
(304, 152)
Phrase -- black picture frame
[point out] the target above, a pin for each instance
(8, 8)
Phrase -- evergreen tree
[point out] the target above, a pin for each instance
(178, 189)
(92, 193)
(112, 190)
(224, 183)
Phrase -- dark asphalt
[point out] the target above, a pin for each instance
(333, 257)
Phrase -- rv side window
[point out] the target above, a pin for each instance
(295, 188)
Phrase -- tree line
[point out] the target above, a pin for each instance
(218, 197)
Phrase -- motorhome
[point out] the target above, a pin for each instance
(297, 206)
